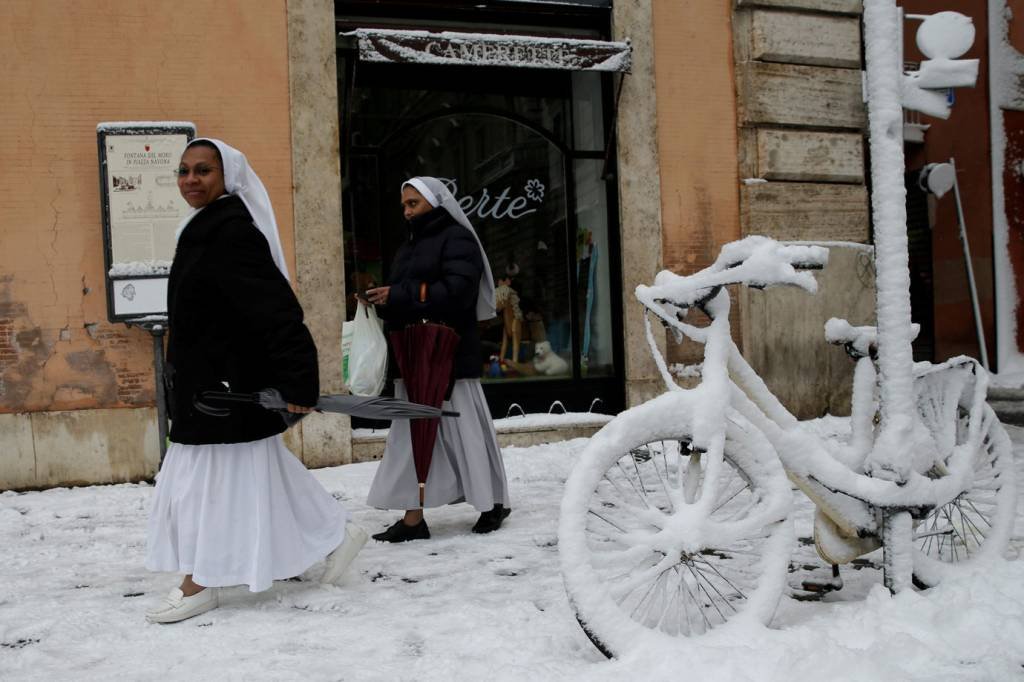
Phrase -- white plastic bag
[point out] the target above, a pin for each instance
(364, 353)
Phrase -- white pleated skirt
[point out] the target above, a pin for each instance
(466, 464)
(239, 514)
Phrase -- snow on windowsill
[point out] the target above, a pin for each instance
(517, 424)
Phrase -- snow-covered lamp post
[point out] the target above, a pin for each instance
(888, 91)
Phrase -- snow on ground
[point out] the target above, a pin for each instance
(457, 607)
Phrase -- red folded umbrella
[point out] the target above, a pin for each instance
(425, 353)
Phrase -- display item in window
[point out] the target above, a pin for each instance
(506, 300)
(547, 361)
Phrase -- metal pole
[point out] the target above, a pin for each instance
(975, 307)
(158, 367)
(882, 30)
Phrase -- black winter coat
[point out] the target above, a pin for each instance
(233, 318)
(446, 256)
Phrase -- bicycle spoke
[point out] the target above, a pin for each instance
(613, 525)
(731, 498)
(682, 601)
(973, 527)
(700, 588)
(711, 583)
(696, 603)
(642, 496)
(731, 585)
(622, 494)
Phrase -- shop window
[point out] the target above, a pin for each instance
(524, 151)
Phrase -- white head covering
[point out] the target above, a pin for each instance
(241, 180)
(437, 194)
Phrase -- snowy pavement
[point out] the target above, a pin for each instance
(457, 607)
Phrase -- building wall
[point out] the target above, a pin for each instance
(801, 151)
(1006, 68)
(696, 131)
(68, 66)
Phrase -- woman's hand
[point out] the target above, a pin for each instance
(377, 295)
(299, 409)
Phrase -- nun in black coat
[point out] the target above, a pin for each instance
(233, 506)
(441, 274)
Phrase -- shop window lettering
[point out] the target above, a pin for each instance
(502, 206)
(499, 53)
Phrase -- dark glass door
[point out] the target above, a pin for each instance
(523, 153)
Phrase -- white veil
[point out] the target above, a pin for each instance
(241, 180)
(436, 194)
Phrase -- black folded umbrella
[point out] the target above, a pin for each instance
(379, 407)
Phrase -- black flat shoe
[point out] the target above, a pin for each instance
(490, 521)
(399, 532)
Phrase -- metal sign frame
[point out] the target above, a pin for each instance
(150, 288)
(449, 48)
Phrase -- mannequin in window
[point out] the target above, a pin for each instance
(506, 300)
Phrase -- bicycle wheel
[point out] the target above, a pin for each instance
(658, 542)
(978, 522)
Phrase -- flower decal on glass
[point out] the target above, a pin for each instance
(535, 189)
(128, 292)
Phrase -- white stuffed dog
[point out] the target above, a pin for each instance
(546, 361)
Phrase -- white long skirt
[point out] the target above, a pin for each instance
(240, 514)
(466, 464)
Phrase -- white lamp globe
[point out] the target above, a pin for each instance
(937, 178)
(946, 35)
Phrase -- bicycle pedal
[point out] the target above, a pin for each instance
(822, 586)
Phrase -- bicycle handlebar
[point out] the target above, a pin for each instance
(757, 262)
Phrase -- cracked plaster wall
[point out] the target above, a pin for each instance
(67, 67)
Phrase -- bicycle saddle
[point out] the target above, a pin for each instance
(859, 342)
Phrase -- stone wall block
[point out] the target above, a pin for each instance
(784, 338)
(320, 276)
(803, 211)
(831, 6)
(812, 39)
(639, 187)
(17, 452)
(326, 440)
(804, 156)
(95, 446)
(792, 95)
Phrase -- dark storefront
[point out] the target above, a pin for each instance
(528, 153)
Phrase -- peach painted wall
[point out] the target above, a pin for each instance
(697, 142)
(69, 65)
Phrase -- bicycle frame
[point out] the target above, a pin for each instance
(830, 476)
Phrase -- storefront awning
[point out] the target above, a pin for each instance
(488, 49)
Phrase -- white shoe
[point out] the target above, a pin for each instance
(176, 606)
(340, 558)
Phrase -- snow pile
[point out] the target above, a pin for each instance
(532, 421)
(459, 606)
(971, 628)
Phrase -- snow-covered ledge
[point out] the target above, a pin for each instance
(518, 431)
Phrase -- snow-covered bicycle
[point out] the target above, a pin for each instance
(675, 520)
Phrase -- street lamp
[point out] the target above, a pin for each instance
(938, 179)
